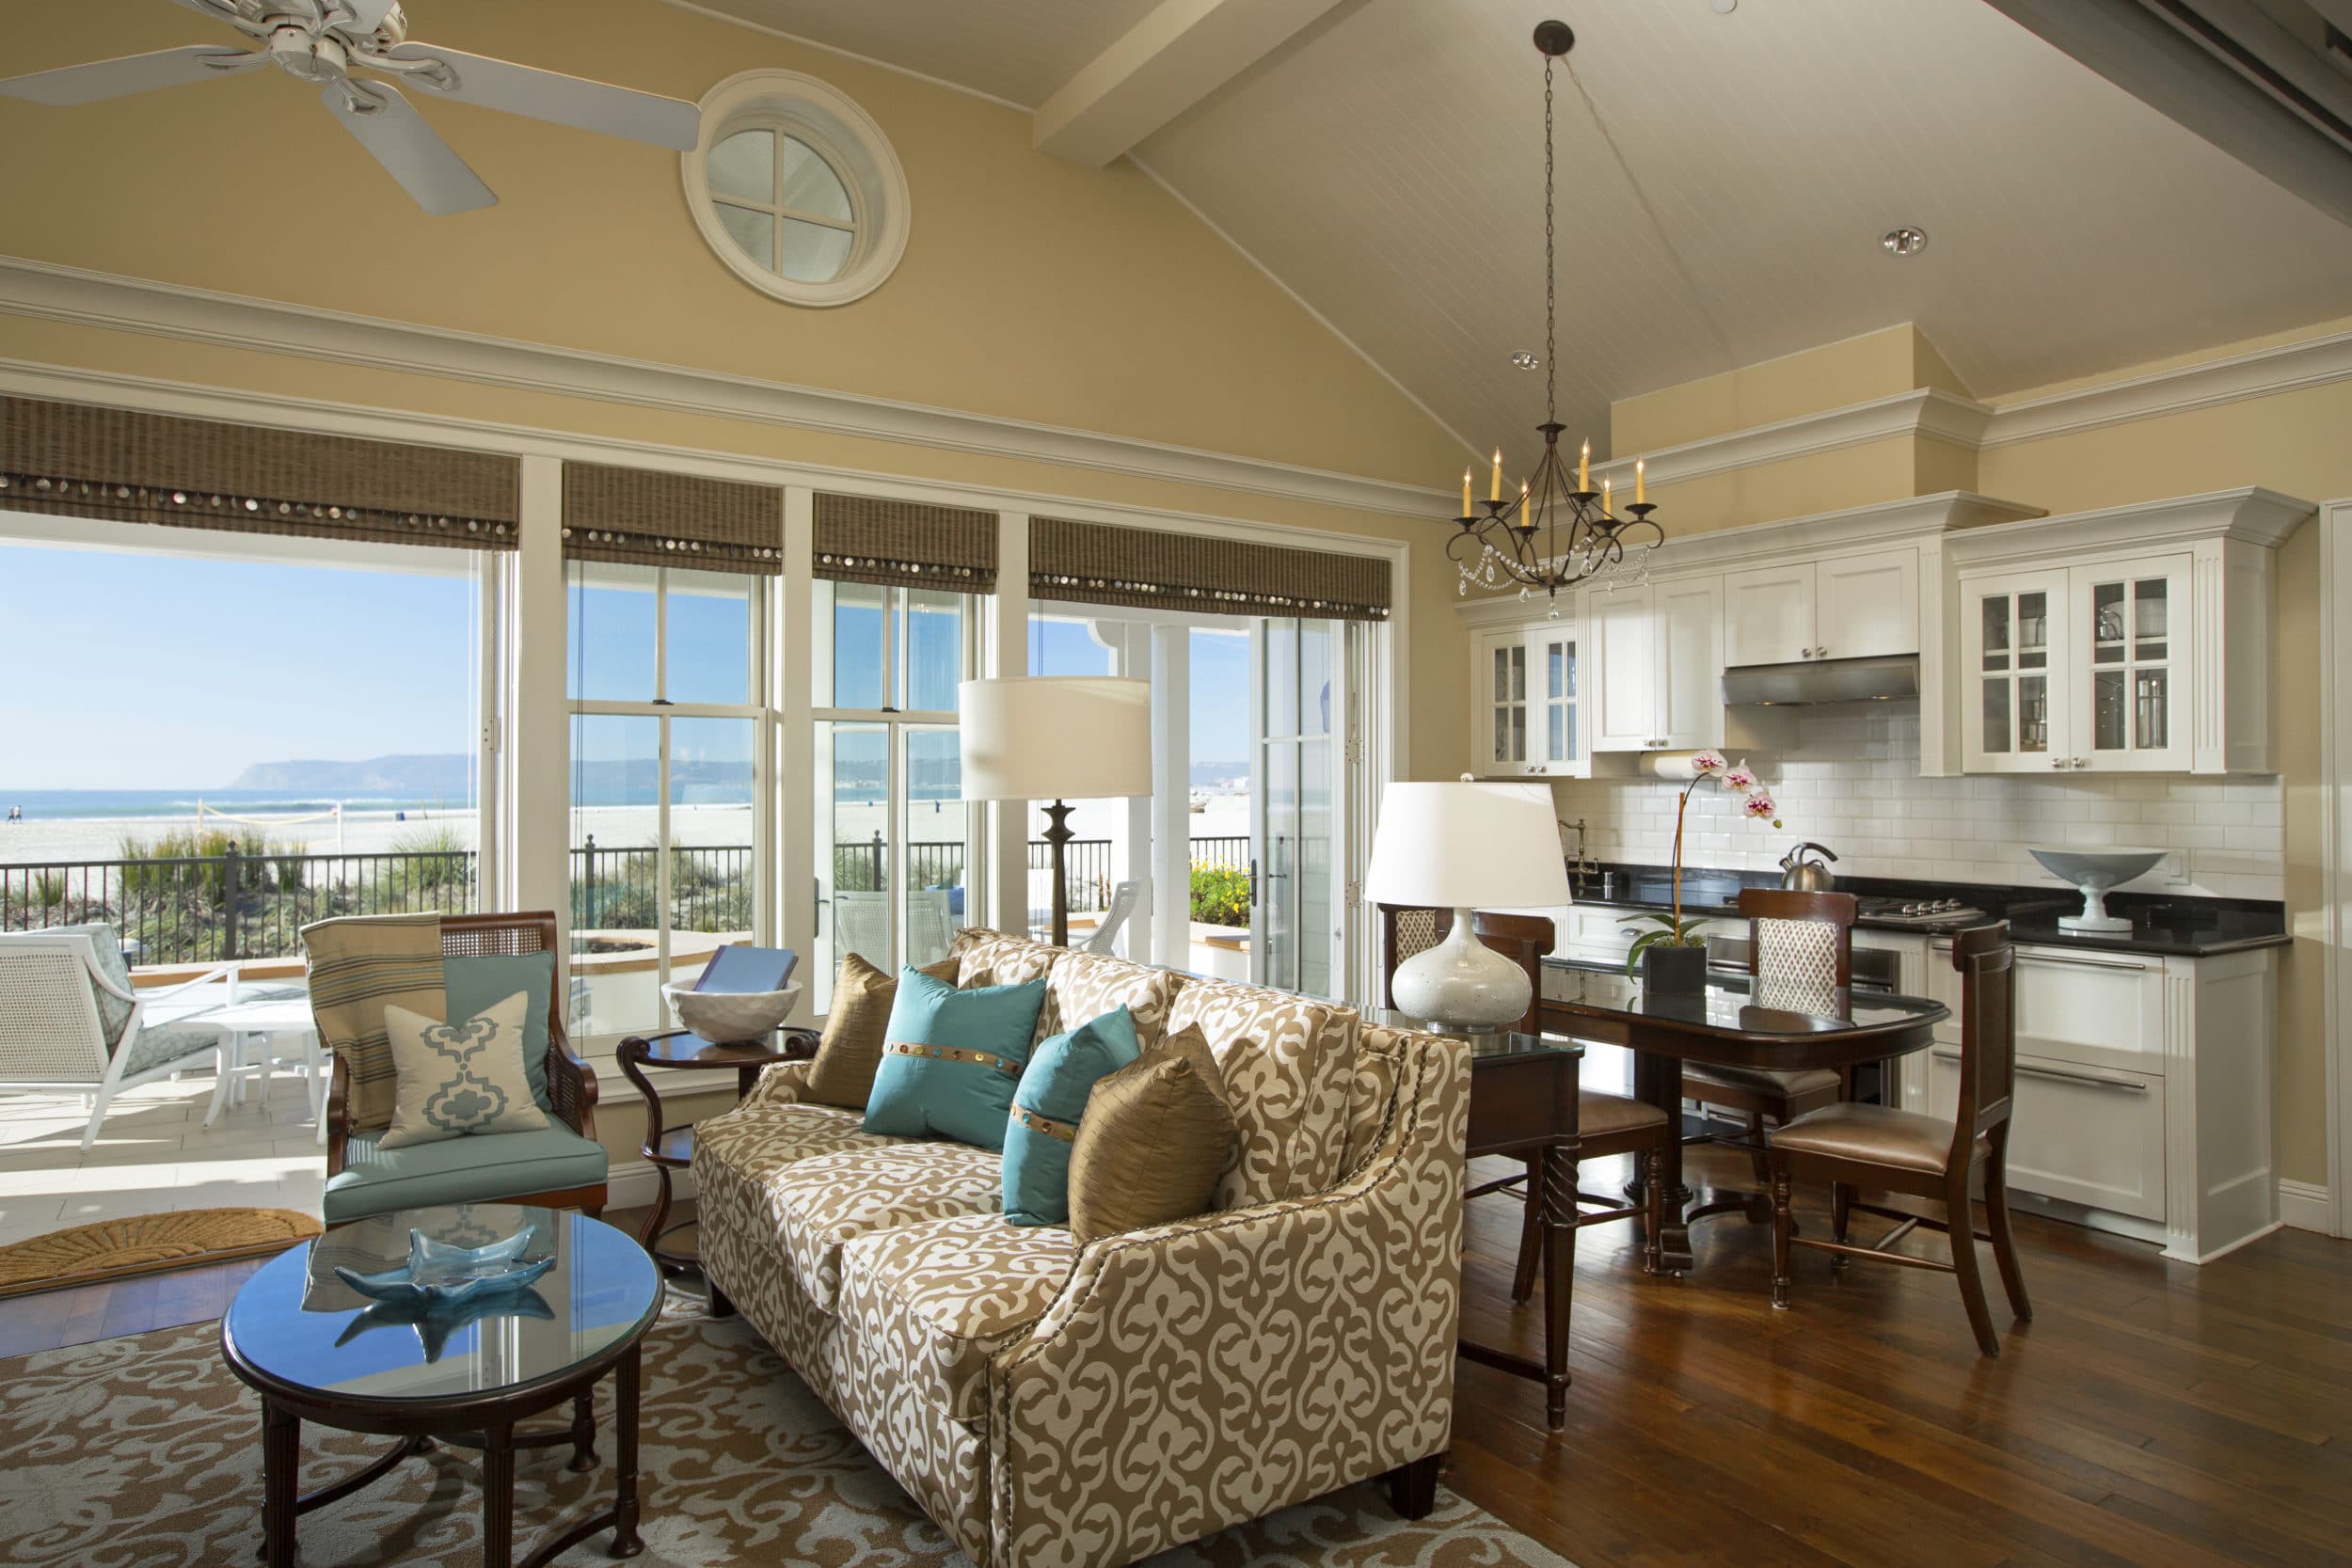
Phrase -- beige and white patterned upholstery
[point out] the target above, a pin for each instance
(1051, 1404)
(1289, 1070)
(993, 958)
(1085, 986)
(1799, 955)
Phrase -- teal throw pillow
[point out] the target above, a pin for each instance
(950, 1059)
(1043, 1125)
(475, 984)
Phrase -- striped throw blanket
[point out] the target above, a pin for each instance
(359, 965)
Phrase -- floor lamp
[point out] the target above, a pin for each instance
(1058, 739)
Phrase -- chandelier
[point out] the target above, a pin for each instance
(1558, 532)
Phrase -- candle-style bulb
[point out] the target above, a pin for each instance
(1584, 468)
(1494, 492)
(1465, 492)
(1641, 485)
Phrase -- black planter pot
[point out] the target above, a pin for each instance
(1677, 970)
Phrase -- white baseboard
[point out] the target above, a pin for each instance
(2305, 1206)
(636, 1184)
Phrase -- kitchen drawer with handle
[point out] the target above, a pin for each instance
(2088, 1137)
(2103, 1011)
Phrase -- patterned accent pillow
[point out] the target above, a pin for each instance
(851, 1047)
(1047, 1110)
(1157, 1137)
(460, 1079)
(359, 965)
(951, 1059)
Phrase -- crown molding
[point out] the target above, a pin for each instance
(2265, 372)
(1925, 411)
(48, 292)
(2248, 513)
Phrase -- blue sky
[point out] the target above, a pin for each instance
(135, 670)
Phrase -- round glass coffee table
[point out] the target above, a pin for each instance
(316, 1350)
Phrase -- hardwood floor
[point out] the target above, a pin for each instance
(2152, 1415)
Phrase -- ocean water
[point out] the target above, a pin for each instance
(49, 805)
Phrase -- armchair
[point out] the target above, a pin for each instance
(71, 1020)
(562, 1166)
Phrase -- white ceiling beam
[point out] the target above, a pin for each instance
(1164, 65)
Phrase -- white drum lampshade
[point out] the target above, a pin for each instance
(1464, 847)
(1058, 739)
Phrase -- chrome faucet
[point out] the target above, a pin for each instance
(1581, 864)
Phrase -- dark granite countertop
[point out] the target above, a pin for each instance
(2174, 925)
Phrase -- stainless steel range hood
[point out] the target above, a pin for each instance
(1822, 680)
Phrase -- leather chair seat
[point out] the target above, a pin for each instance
(1873, 1134)
(1600, 1115)
(1755, 1080)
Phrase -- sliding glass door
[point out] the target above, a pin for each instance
(1297, 916)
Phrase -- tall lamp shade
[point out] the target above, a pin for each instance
(1058, 739)
(1458, 846)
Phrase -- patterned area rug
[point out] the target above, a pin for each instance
(144, 1453)
(148, 1243)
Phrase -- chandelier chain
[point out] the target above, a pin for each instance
(1552, 352)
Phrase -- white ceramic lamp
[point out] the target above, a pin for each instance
(1054, 737)
(1462, 847)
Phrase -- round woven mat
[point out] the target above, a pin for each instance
(144, 1244)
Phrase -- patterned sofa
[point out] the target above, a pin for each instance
(1051, 1404)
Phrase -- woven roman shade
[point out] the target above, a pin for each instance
(1103, 564)
(873, 539)
(120, 465)
(648, 518)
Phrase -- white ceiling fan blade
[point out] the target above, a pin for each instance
(409, 149)
(119, 78)
(574, 101)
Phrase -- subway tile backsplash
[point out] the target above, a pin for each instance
(1852, 781)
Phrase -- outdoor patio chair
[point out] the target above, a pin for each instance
(1123, 899)
(861, 924)
(561, 1165)
(71, 1021)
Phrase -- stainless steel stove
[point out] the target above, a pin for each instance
(1928, 914)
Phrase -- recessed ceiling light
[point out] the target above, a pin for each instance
(1526, 360)
(1725, 8)
(1905, 240)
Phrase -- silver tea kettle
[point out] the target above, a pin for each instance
(1807, 876)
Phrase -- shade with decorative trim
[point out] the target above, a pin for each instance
(649, 518)
(904, 544)
(1107, 564)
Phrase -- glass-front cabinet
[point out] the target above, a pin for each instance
(1526, 717)
(2074, 671)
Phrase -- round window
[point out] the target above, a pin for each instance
(796, 189)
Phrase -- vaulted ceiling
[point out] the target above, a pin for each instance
(1724, 180)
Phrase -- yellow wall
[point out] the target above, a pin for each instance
(1878, 364)
(1030, 290)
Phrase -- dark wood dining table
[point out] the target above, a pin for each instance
(1734, 1022)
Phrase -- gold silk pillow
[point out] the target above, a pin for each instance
(1157, 1135)
(850, 1050)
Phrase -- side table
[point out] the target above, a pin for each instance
(669, 1149)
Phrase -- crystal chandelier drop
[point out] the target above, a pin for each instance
(1558, 532)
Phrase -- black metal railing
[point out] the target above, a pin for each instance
(203, 909)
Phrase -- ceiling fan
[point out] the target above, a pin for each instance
(323, 40)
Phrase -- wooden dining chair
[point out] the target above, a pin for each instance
(1855, 1147)
(1798, 943)
(1608, 1124)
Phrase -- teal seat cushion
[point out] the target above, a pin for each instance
(1046, 1107)
(950, 1059)
(376, 1180)
(476, 985)
(113, 1012)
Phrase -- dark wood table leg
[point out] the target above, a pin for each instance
(1657, 1080)
(497, 1497)
(583, 1431)
(1558, 1190)
(281, 1475)
(626, 1541)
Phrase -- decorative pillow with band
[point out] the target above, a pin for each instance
(460, 1079)
(851, 1048)
(951, 1059)
(1047, 1112)
(1155, 1137)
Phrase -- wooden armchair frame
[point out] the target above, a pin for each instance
(571, 1082)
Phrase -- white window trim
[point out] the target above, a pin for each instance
(841, 132)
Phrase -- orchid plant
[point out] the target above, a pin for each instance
(1757, 802)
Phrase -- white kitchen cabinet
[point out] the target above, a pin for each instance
(2133, 640)
(1525, 702)
(2142, 1091)
(1841, 607)
(1656, 665)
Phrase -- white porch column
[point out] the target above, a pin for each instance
(539, 768)
(1171, 805)
(1008, 654)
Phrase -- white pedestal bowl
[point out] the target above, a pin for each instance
(2094, 871)
(721, 1016)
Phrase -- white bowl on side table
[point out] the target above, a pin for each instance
(2094, 871)
(724, 1016)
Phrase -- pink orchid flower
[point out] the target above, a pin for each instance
(1741, 778)
(1762, 804)
(1706, 763)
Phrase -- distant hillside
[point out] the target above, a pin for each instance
(405, 777)
(1218, 772)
